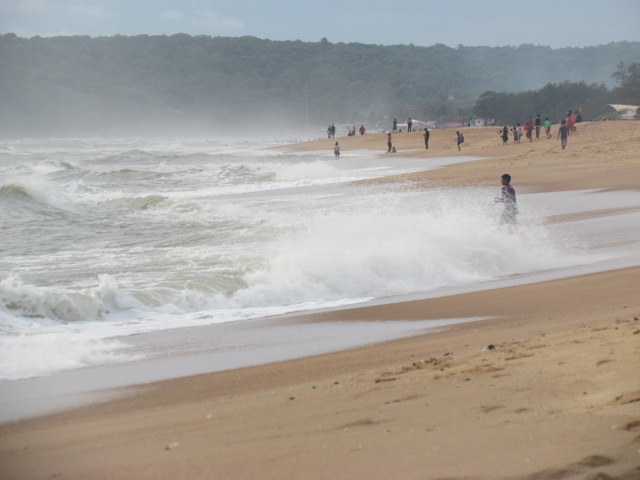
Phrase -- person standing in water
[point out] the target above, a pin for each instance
(336, 150)
(426, 138)
(508, 199)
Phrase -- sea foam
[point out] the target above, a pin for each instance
(139, 236)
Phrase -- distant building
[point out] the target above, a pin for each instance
(626, 112)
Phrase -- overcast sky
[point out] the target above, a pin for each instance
(558, 23)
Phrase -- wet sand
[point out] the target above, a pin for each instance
(548, 388)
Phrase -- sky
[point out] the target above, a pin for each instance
(556, 23)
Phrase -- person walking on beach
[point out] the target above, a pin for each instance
(528, 128)
(426, 138)
(563, 134)
(547, 127)
(389, 144)
(570, 121)
(395, 125)
(409, 123)
(336, 150)
(362, 129)
(538, 123)
(504, 133)
(459, 139)
(508, 199)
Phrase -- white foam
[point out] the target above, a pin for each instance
(177, 234)
(45, 192)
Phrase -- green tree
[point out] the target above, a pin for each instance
(629, 78)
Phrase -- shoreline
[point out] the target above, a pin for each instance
(191, 350)
(569, 373)
(546, 387)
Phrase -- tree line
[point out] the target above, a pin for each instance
(554, 100)
(121, 83)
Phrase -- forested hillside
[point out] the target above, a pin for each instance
(118, 84)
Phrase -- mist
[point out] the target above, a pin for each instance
(204, 86)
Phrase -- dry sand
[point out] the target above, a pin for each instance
(547, 389)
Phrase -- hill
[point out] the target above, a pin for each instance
(119, 84)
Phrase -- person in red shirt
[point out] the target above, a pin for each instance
(528, 127)
(571, 119)
(362, 130)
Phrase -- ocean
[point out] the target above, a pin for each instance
(105, 239)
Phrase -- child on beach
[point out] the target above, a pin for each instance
(426, 138)
(459, 139)
(517, 133)
(336, 150)
(504, 133)
(389, 144)
(547, 127)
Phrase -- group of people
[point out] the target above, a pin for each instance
(426, 135)
(507, 195)
(351, 131)
(532, 126)
(332, 133)
(409, 125)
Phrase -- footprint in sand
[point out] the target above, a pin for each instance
(627, 398)
(631, 426)
(571, 470)
(490, 408)
(602, 362)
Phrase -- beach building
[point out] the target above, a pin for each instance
(626, 112)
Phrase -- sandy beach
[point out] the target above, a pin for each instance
(547, 388)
